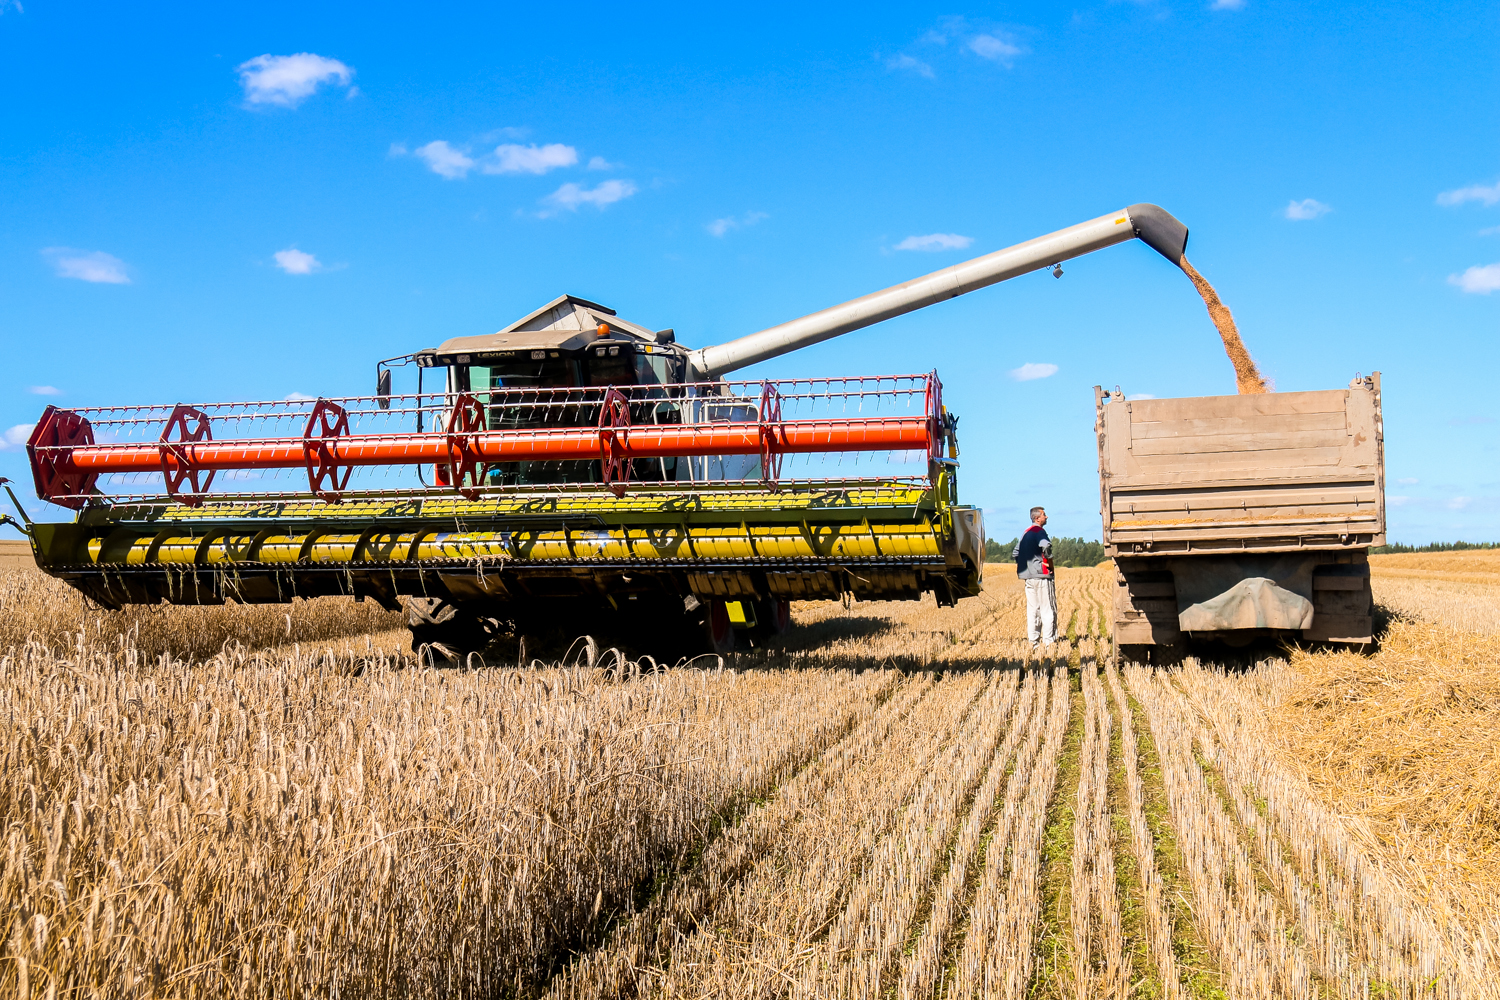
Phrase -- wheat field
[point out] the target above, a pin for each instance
(896, 800)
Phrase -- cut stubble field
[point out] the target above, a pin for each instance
(896, 800)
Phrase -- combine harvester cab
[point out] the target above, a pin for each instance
(573, 473)
(1235, 517)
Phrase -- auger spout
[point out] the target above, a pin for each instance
(1154, 226)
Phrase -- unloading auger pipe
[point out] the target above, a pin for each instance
(1150, 224)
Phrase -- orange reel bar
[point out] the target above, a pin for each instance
(552, 444)
(68, 459)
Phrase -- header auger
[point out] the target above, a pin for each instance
(573, 472)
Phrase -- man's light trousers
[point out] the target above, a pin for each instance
(1041, 610)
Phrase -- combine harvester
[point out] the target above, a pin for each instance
(571, 473)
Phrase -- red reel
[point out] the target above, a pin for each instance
(50, 448)
(325, 477)
(186, 426)
(467, 473)
(614, 419)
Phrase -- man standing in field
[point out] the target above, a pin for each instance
(1033, 557)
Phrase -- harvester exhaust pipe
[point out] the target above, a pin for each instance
(1151, 224)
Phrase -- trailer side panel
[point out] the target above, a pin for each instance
(1239, 513)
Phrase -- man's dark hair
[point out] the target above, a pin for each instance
(1037, 510)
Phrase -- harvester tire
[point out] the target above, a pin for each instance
(452, 627)
(718, 630)
(773, 617)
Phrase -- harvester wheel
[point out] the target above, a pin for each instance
(717, 628)
(773, 617)
(451, 628)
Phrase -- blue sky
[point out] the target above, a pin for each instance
(186, 213)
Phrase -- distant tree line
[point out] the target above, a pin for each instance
(1065, 551)
(1381, 550)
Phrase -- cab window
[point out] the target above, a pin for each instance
(552, 373)
(612, 364)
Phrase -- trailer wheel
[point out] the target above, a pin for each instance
(1155, 655)
(717, 628)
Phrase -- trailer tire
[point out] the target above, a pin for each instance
(1152, 654)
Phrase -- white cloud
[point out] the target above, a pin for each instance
(6, 4)
(1227, 5)
(907, 62)
(1307, 208)
(600, 163)
(294, 261)
(1397, 501)
(289, 80)
(571, 195)
(1490, 231)
(1486, 195)
(984, 41)
(1031, 370)
(397, 149)
(1140, 395)
(45, 390)
(96, 266)
(935, 241)
(298, 397)
(1459, 503)
(719, 227)
(1478, 280)
(15, 438)
(444, 160)
(533, 159)
(995, 48)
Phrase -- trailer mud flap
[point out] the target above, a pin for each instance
(1252, 603)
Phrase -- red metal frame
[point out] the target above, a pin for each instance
(50, 448)
(772, 436)
(466, 466)
(935, 415)
(325, 476)
(614, 441)
(179, 459)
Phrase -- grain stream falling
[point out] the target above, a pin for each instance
(1247, 377)
(253, 802)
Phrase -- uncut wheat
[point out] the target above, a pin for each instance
(274, 824)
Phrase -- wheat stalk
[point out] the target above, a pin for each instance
(1157, 922)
